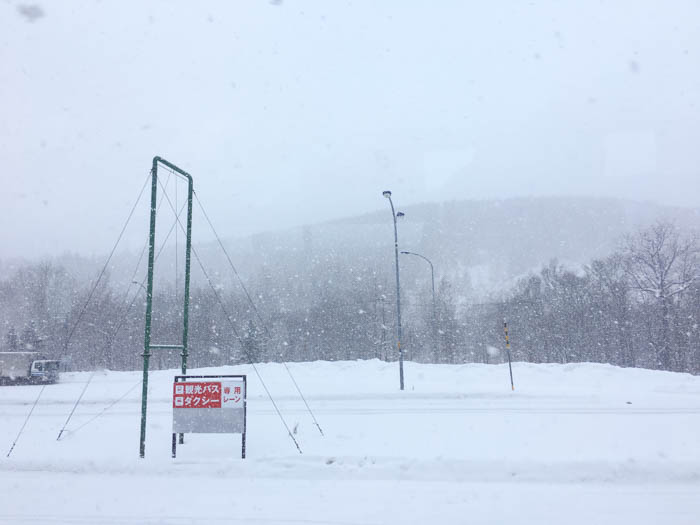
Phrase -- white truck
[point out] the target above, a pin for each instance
(27, 367)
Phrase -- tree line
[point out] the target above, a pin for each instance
(637, 307)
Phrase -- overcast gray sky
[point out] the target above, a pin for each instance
(291, 112)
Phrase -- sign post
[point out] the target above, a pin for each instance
(510, 367)
(209, 405)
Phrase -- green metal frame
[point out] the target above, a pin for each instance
(147, 346)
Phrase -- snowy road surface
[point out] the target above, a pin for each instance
(573, 444)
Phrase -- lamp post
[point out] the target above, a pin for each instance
(432, 276)
(432, 282)
(394, 215)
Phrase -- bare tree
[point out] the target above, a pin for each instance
(661, 265)
(611, 290)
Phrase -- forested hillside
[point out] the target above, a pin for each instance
(577, 280)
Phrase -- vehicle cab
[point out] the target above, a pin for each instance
(45, 371)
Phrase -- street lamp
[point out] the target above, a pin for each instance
(394, 215)
(432, 281)
(432, 274)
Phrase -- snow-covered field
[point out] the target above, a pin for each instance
(578, 443)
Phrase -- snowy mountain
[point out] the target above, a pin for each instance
(479, 246)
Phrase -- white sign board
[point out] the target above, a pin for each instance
(209, 404)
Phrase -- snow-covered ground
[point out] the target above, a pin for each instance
(578, 443)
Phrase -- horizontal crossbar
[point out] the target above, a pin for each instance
(236, 376)
(166, 347)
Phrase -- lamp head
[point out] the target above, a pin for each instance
(386, 194)
(400, 214)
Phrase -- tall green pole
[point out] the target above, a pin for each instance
(186, 306)
(149, 306)
(149, 290)
(188, 248)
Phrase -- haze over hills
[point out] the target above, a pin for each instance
(479, 246)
